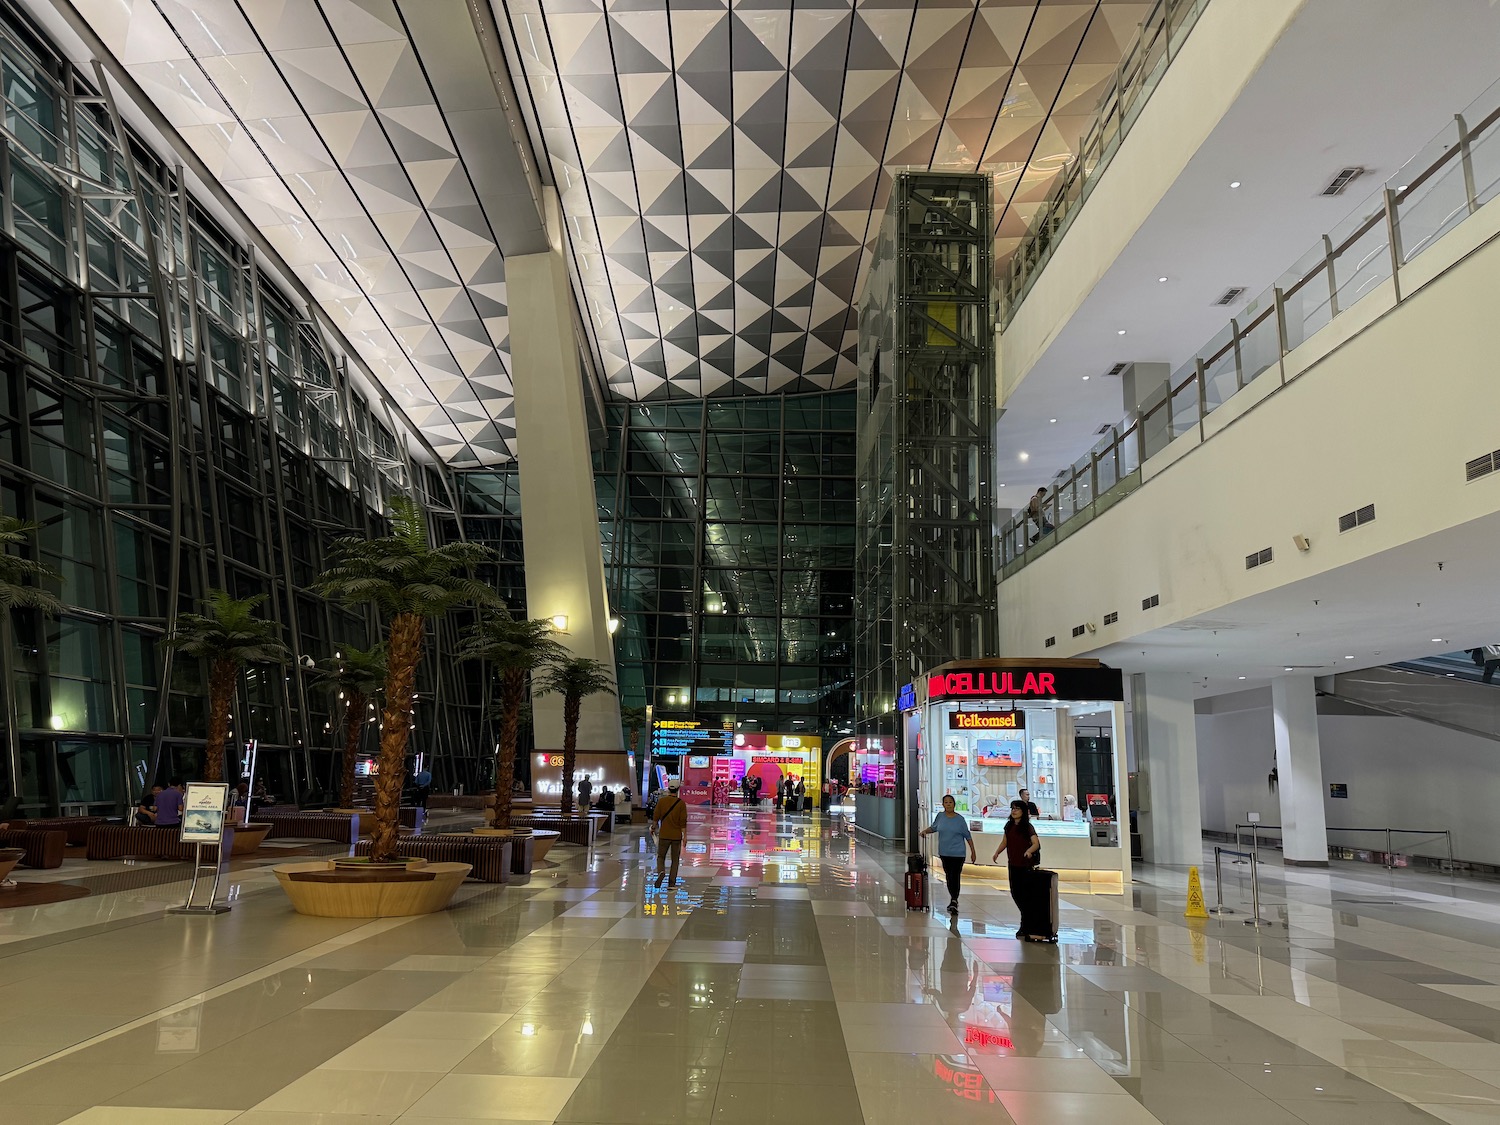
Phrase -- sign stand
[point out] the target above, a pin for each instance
(203, 823)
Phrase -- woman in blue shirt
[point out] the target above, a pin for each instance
(953, 833)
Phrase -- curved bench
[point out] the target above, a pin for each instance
(574, 830)
(339, 828)
(76, 828)
(120, 841)
(43, 847)
(489, 858)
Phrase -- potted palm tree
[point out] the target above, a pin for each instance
(410, 582)
(355, 676)
(574, 680)
(514, 648)
(21, 587)
(229, 636)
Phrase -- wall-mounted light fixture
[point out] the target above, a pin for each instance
(613, 624)
(560, 622)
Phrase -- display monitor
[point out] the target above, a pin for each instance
(994, 752)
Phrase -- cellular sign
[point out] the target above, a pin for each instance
(991, 684)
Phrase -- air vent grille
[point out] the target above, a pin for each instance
(1342, 179)
(1259, 558)
(1152, 602)
(1482, 466)
(1357, 518)
(1111, 618)
(1050, 642)
(1079, 630)
(1231, 295)
(1117, 369)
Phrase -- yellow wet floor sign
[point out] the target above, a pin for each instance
(1196, 908)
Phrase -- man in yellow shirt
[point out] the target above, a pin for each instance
(669, 822)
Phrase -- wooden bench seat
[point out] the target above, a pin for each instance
(490, 857)
(120, 841)
(339, 828)
(43, 848)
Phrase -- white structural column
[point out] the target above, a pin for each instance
(1166, 754)
(559, 514)
(1299, 771)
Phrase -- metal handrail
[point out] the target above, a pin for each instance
(1141, 435)
(1150, 53)
(1429, 833)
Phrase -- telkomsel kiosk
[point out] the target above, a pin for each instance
(983, 730)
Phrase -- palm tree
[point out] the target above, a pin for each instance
(513, 648)
(354, 675)
(21, 587)
(228, 637)
(574, 680)
(410, 581)
(632, 719)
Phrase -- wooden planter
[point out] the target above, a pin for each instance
(316, 889)
(9, 857)
(248, 837)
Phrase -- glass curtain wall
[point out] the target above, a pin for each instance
(729, 552)
(232, 428)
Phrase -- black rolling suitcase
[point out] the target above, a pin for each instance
(1039, 919)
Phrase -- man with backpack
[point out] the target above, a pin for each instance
(669, 823)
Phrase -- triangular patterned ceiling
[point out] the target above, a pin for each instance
(722, 166)
(327, 124)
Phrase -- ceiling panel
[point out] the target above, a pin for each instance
(363, 148)
(722, 165)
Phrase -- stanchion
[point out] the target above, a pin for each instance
(1221, 909)
(1255, 919)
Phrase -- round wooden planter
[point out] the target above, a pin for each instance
(9, 857)
(320, 889)
(248, 837)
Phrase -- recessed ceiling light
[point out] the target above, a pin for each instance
(1234, 183)
(1002, 485)
(1052, 420)
(1085, 378)
(1025, 456)
(1121, 332)
(1161, 279)
(1437, 640)
(1242, 677)
(1348, 658)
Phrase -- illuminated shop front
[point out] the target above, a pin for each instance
(769, 757)
(986, 729)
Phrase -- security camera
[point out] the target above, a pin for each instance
(307, 662)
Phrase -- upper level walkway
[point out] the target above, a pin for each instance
(781, 982)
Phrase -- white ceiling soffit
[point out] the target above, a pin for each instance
(366, 141)
(722, 171)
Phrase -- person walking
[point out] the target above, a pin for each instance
(953, 835)
(1023, 854)
(669, 823)
(1037, 512)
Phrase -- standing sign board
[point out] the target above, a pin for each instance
(203, 822)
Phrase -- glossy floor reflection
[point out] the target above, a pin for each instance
(781, 982)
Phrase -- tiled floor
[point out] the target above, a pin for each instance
(781, 983)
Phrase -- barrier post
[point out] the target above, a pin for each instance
(1221, 909)
(1255, 919)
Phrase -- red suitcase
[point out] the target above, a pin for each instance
(916, 890)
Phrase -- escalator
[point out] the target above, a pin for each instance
(1448, 690)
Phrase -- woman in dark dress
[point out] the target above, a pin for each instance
(1023, 853)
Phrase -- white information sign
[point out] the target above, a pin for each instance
(203, 812)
